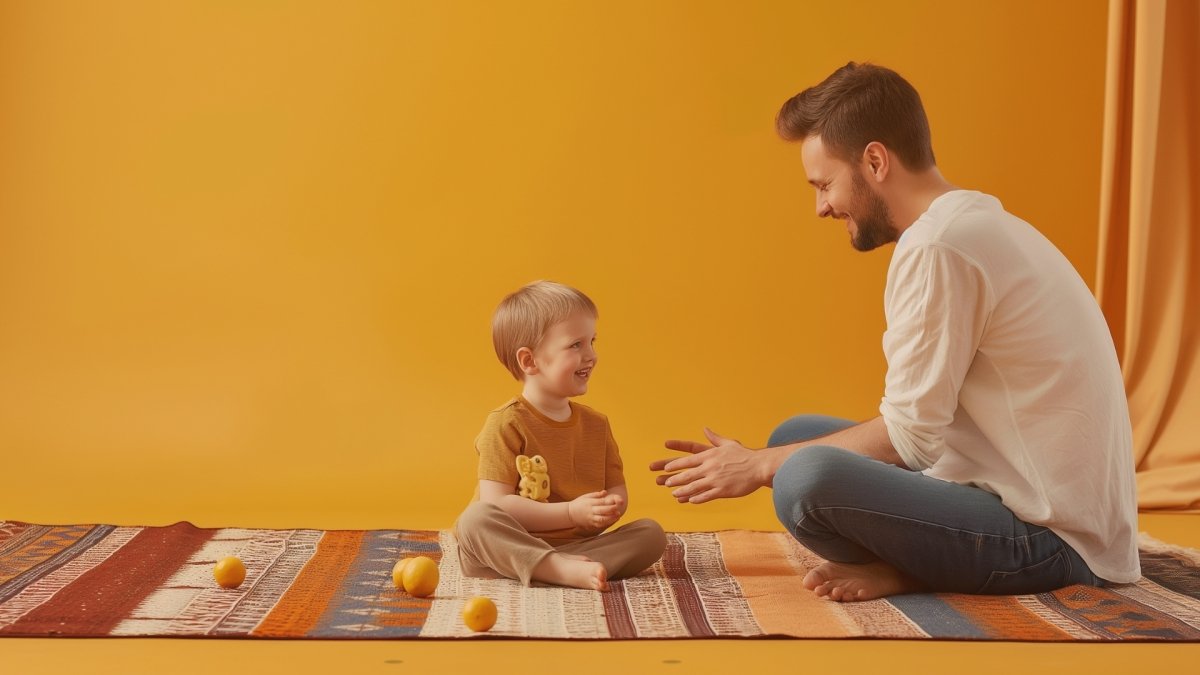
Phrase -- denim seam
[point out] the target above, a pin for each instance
(1024, 538)
(997, 576)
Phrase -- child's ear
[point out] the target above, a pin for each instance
(525, 360)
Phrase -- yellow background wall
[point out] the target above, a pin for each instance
(249, 251)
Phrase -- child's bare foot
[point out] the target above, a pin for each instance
(576, 571)
(844, 582)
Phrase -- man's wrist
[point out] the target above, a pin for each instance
(771, 460)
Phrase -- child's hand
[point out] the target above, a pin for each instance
(595, 510)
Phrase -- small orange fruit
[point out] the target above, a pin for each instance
(398, 573)
(229, 572)
(479, 613)
(420, 576)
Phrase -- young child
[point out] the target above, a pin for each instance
(559, 454)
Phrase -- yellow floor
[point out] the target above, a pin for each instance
(844, 657)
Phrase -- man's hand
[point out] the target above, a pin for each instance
(721, 470)
(595, 511)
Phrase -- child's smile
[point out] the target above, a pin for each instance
(563, 362)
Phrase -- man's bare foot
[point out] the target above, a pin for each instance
(576, 571)
(844, 582)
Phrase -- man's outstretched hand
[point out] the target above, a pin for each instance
(721, 470)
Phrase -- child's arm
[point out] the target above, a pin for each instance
(590, 511)
(622, 500)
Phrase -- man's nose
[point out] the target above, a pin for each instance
(823, 208)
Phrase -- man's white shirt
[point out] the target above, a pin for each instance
(1002, 375)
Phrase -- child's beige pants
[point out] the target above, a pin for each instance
(493, 544)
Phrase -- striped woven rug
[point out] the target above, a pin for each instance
(103, 580)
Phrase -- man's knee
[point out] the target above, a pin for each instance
(811, 477)
(805, 427)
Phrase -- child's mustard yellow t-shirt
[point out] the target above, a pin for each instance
(581, 454)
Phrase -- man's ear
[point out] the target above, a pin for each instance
(525, 361)
(877, 160)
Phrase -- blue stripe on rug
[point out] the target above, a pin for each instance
(936, 618)
(366, 591)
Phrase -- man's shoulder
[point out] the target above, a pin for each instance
(965, 222)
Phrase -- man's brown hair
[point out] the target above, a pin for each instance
(858, 104)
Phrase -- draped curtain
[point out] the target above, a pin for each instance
(1148, 275)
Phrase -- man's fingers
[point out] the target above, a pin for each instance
(675, 463)
(686, 446)
(706, 496)
(717, 439)
(690, 485)
(683, 478)
(681, 463)
(690, 447)
(683, 473)
(658, 464)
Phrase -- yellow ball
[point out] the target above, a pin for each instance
(229, 572)
(479, 613)
(420, 576)
(398, 573)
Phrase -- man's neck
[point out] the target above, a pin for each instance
(914, 193)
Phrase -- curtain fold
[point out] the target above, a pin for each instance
(1148, 273)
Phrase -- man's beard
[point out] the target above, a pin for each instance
(875, 226)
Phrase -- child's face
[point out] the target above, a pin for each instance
(564, 360)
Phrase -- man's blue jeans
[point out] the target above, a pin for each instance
(848, 508)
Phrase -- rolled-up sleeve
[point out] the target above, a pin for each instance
(937, 303)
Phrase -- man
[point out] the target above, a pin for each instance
(1001, 460)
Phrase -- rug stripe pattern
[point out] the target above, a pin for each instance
(104, 580)
(101, 597)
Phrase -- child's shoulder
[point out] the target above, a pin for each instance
(509, 404)
(501, 420)
(588, 412)
(506, 410)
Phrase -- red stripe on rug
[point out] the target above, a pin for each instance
(103, 596)
(687, 598)
(12, 528)
(616, 611)
(1003, 617)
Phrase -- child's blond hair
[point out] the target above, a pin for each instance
(525, 315)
